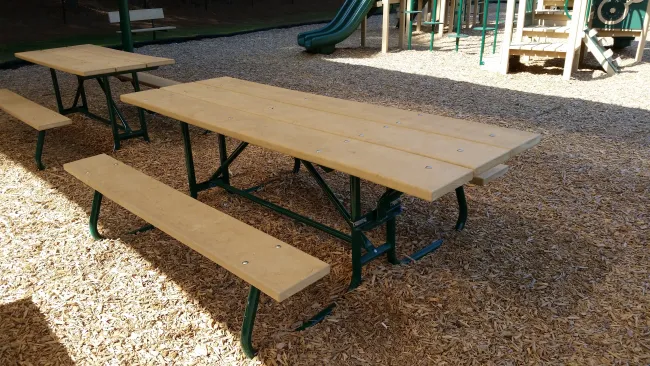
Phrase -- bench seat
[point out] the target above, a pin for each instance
(267, 264)
(33, 114)
(156, 29)
(149, 80)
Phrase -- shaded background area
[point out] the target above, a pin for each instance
(36, 24)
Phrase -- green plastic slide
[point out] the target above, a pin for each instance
(345, 22)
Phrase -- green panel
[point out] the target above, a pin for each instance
(619, 14)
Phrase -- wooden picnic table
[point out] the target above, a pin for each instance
(99, 63)
(413, 153)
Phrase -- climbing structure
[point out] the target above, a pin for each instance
(548, 28)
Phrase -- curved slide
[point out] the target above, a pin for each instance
(345, 22)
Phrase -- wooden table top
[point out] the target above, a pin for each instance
(91, 60)
(419, 154)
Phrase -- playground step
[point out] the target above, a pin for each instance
(547, 31)
(603, 56)
(549, 4)
(556, 50)
(552, 17)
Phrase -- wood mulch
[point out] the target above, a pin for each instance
(553, 267)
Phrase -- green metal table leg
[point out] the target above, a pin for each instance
(84, 100)
(94, 215)
(39, 150)
(462, 208)
(57, 91)
(189, 160)
(391, 234)
(357, 235)
(111, 113)
(296, 165)
(143, 122)
(328, 191)
(223, 157)
(459, 22)
(249, 322)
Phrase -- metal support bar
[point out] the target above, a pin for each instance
(189, 160)
(143, 229)
(249, 322)
(111, 115)
(82, 89)
(283, 211)
(143, 122)
(57, 91)
(225, 164)
(357, 238)
(94, 215)
(296, 165)
(422, 252)
(223, 158)
(328, 191)
(462, 208)
(39, 150)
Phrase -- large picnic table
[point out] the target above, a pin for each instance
(406, 152)
(99, 63)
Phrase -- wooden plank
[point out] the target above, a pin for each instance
(514, 140)
(116, 64)
(145, 30)
(150, 61)
(137, 15)
(29, 112)
(472, 155)
(412, 174)
(64, 63)
(274, 267)
(149, 80)
(492, 174)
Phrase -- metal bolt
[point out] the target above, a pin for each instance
(428, 167)
(346, 141)
(244, 262)
(420, 114)
(116, 164)
(385, 126)
(460, 150)
(278, 246)
(360, 135)
(398, 122)
(318, 151)
(492, 135)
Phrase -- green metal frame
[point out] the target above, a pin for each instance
(113, 112)
(433, 22)
(249, 321)
(94, 215)
(39, 150)
(363, 250)
(459, 23)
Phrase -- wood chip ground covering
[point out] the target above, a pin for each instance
(553, 267)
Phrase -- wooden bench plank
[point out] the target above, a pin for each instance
(472, 155)
(149, 80)
(138, 15)
(274, 267)
(492, 174)
(514, 140)
(155, 29)
(31, 113)
(412, 174)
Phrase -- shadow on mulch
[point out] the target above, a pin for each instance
(489, 252)
(25, 336)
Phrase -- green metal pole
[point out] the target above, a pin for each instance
(484, 30)
(125, 26)
(496, 27)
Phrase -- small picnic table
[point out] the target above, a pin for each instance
(99, 63)
(422, 155)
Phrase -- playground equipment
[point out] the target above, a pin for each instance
(560, 33)
(622, 20)
(484, 28)
(352, 14)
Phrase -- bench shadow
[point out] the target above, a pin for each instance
(489, 251)
(26, 338)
